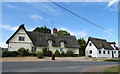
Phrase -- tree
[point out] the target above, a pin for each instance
(43, 30)
(70, 53)
(63, 32)
(82, 43)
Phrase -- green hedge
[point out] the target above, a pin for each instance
(23, 52)
(57, 53)
(70, 53)
(9, 53)
(46, 52)
(39, 54)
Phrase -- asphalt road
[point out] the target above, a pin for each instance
(52, 66)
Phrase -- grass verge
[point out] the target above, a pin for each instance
(112, 69)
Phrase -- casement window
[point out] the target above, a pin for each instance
(61, 49)
(21, 38)
(108, 52)
(90, 44)
(50, 41)
(73, 50)
(115, 52)
(103, 52)
(62, 43)
(47, 49)
(33, 49)
(90, 52)
(99, 51)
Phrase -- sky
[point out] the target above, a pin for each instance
(38, 14)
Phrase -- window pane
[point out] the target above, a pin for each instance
(114, 51)
(90, 51)
(61, 49)
(99, 52)
(108, 52)
(90, 44)
(21, 38)
(103, 52)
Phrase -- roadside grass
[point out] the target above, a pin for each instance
(112, 69)
(113, 60)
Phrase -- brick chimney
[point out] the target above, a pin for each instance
(54, 31)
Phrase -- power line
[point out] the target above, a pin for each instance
(83, 18)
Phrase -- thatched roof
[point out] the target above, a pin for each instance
(100, 43)
(41, 39)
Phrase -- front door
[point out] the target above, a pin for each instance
(112, 54)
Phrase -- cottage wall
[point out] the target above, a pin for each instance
(15, 44)
(53, 49)
(93, 48)
(95, 51)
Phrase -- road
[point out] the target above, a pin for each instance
(50, 66)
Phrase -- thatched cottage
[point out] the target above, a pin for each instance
(36, 41)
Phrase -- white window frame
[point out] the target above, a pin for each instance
(21, 37)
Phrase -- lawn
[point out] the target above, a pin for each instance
(112, 69)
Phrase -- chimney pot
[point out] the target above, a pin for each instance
(54, 30)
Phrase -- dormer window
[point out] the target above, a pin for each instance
(101, 45)
(62, 43)
(49, 41)
(21, 38)
(90, 44)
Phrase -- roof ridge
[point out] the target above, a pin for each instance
(52, 34)
(97, 38)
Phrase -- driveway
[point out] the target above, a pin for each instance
(51, 66)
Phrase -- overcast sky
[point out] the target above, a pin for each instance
(38, 14)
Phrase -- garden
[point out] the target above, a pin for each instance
(22, 52)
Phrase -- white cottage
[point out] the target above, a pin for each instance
(35, 41)
(100, 48)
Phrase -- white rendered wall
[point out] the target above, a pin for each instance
(93, 48)
(106, 53)
(15, 44)
(53, 49)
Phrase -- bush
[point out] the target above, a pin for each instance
(48, 53)
(33, 54)
(57, 53)
(44, 50)
(6, 53)
(70, 53)
(23, 52)
(39, 54)
(9, 53)
(14, 53)
(63, 54)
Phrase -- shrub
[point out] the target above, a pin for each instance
(63, 53)
(6, 53)
(48, 53)
(44, 50)
(39, 54)
(33, 54)
(70, 53)
(57, 53)
(14, 53)
(23, 52)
